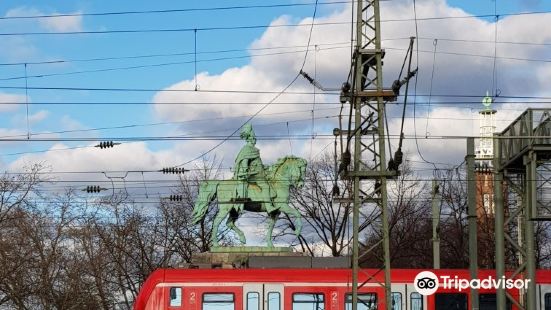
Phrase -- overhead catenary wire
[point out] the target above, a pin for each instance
(178, 10)
(199, 120)
(167, 30)
(195, 61)
(269, 102)
(260, 138)
(156, 55)
(428, 18)
(415, 88)
(541, 100)
(247, 91)
(494, 66)
(91, 146)
(435, 44)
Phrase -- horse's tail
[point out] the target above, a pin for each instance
(207, 192)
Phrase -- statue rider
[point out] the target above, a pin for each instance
(249, 169)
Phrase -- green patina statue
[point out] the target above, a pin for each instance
(254, 188)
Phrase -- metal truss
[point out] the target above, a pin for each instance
(522, 162)
(368, 169)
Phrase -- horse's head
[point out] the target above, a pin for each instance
(297, 170)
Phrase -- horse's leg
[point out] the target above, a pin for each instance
(273, 218)
(207, 191)
(293, 213)
(222, 212)
(234, 215)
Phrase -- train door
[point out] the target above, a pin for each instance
(414, 300)
(544, 292)
(267, 296)
(398, 295)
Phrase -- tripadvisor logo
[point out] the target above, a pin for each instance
(427, 283)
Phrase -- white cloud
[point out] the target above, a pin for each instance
(53, 24)
(453, 74)
(10, 102)
(38, 116)
(63, 23)
(127, 156)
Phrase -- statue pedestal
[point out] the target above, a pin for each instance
(252, 249)
(241, 256)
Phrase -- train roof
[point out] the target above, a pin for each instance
(313, 275)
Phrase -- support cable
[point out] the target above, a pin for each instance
(415, 88)
(435, 43)
(195, 57)
(395, 162)
(289, 138)
(27, 102)
(269, 102)
(494, 69)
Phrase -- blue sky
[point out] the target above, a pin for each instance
(456, 65)
(113, 45)
(22, 49)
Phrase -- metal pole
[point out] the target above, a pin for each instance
(356, 209)
(435, 225)
(529, 230)
(473, 225)
(356, 100)
(383, 163)
(499, 223)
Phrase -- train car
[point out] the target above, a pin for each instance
(311, 289)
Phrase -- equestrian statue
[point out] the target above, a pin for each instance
(254, 188)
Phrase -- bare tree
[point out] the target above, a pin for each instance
(326, 222)
(409, 226)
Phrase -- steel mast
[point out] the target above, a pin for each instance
(369, 168)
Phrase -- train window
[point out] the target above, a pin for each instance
(365, 301)
(274, 301)
(446, 301)
(175, 297)
(489, 302)
(253, 301)
(308, 301)
(396, 300)
(218, 301)
(547, 300)
(416, 301)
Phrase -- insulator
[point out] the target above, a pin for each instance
(395, 163)
(345, 87)
(173, 170)
(378, 185)
(396, 85)
(336, 190)
(175, 198)
(106, 144)
(345, 161)
(93, 189)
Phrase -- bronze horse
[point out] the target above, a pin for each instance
(287, 172)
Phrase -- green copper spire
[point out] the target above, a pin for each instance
(487, 101)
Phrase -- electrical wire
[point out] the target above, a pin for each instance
(166, 30)
(169, 90)
(269, 102)
(208, 9)
(194, 61)
(164, 123)
(494, 68)
(155, 55)
(435, 43)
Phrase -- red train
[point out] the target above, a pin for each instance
(310, 289)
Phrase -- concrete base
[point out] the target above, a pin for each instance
(251, 249)
(238, 257)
